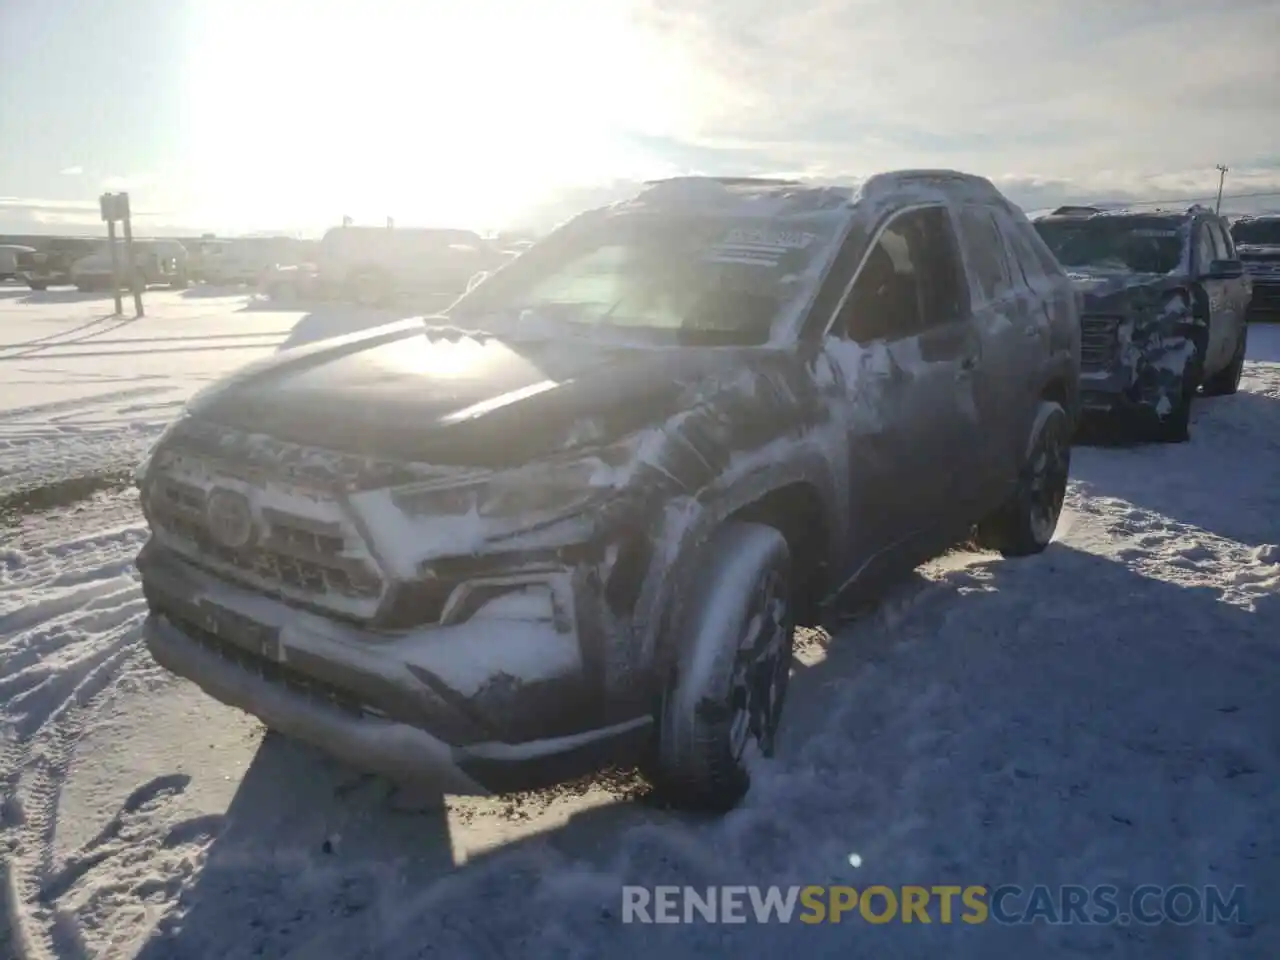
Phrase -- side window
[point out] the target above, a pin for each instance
(1222, 247)
(1204, 253)
(1024, 255)
(910, 281)
(986, 252)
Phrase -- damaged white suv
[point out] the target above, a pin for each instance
(587, 509)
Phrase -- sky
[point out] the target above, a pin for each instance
(249, 115)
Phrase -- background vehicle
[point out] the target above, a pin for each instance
(1257, 240)
(379, 265)
(50, 264)
(1164, 311)
(9, 260)
(247, 260)
(585, 511)
(155, 262)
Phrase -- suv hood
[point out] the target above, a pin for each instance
(1260, 259)
(1117, 291)
(1258, 251)
(439, 395)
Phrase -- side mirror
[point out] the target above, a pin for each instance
(477, 279)
(1225, 270)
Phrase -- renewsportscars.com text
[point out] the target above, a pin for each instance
(1007, 904)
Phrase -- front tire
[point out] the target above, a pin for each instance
(1226, 382)
(1025, 524)
(37, 285)
(735, 633)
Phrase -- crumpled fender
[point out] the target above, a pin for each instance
(1156, 347)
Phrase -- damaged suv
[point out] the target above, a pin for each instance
(1165, 299)
(583, 513)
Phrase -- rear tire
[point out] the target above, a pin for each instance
(1025, 524)
(735, 631)
(37, 285)
(1226, 382)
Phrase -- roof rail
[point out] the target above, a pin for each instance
(731, 181)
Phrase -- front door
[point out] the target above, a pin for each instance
(907, 356)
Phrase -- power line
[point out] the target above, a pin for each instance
(1209, 196)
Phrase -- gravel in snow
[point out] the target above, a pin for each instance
(1105, 712)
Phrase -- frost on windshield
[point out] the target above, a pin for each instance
(720, 278)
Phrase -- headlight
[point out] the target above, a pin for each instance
(140, 472)
(511, 500)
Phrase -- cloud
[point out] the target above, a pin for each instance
(37, 215)
(71, 171)
(1079, 88)
(127, 183)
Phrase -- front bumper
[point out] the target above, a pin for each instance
(484, 706)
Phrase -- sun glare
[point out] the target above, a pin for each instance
(456, 112)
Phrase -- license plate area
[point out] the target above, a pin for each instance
(235, 628)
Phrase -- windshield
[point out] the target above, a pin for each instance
(687, 279)
(1135, 244)
(1260, 232)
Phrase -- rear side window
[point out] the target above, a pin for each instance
(985, 252)
(1028, 265)
(1204, 247)
(1222, 246)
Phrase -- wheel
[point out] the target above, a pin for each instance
(37, 285)
(735, 632)
(1226, 382)
(1175, 426)
(1025, 524)
(180, 282)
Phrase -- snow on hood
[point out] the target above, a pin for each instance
(1099, 281)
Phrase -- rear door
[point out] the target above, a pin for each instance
(1221, 338)
(1236, 292)
(1013, 325)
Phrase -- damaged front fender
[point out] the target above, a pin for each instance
(1161, 353)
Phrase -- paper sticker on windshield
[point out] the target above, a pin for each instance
(780, 240)
(1154, 233)
(759, 248)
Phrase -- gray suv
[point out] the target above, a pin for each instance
(582, 514)
(1165, 298)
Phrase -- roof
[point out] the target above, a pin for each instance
(814, 203)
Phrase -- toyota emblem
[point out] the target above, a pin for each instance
(230, 518)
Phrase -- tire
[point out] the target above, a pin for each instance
(180, 283)
(1176, 427)
(1025, 524)
(37, 285)
(735, 632)
(1226, 382)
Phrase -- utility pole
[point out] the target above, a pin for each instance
(1222, 175)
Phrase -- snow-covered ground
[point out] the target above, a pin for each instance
(83, 391)
(1106, 712)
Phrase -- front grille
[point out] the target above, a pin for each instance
(1099, 342)
(320, 563)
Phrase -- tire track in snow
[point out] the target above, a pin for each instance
(68, 633)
